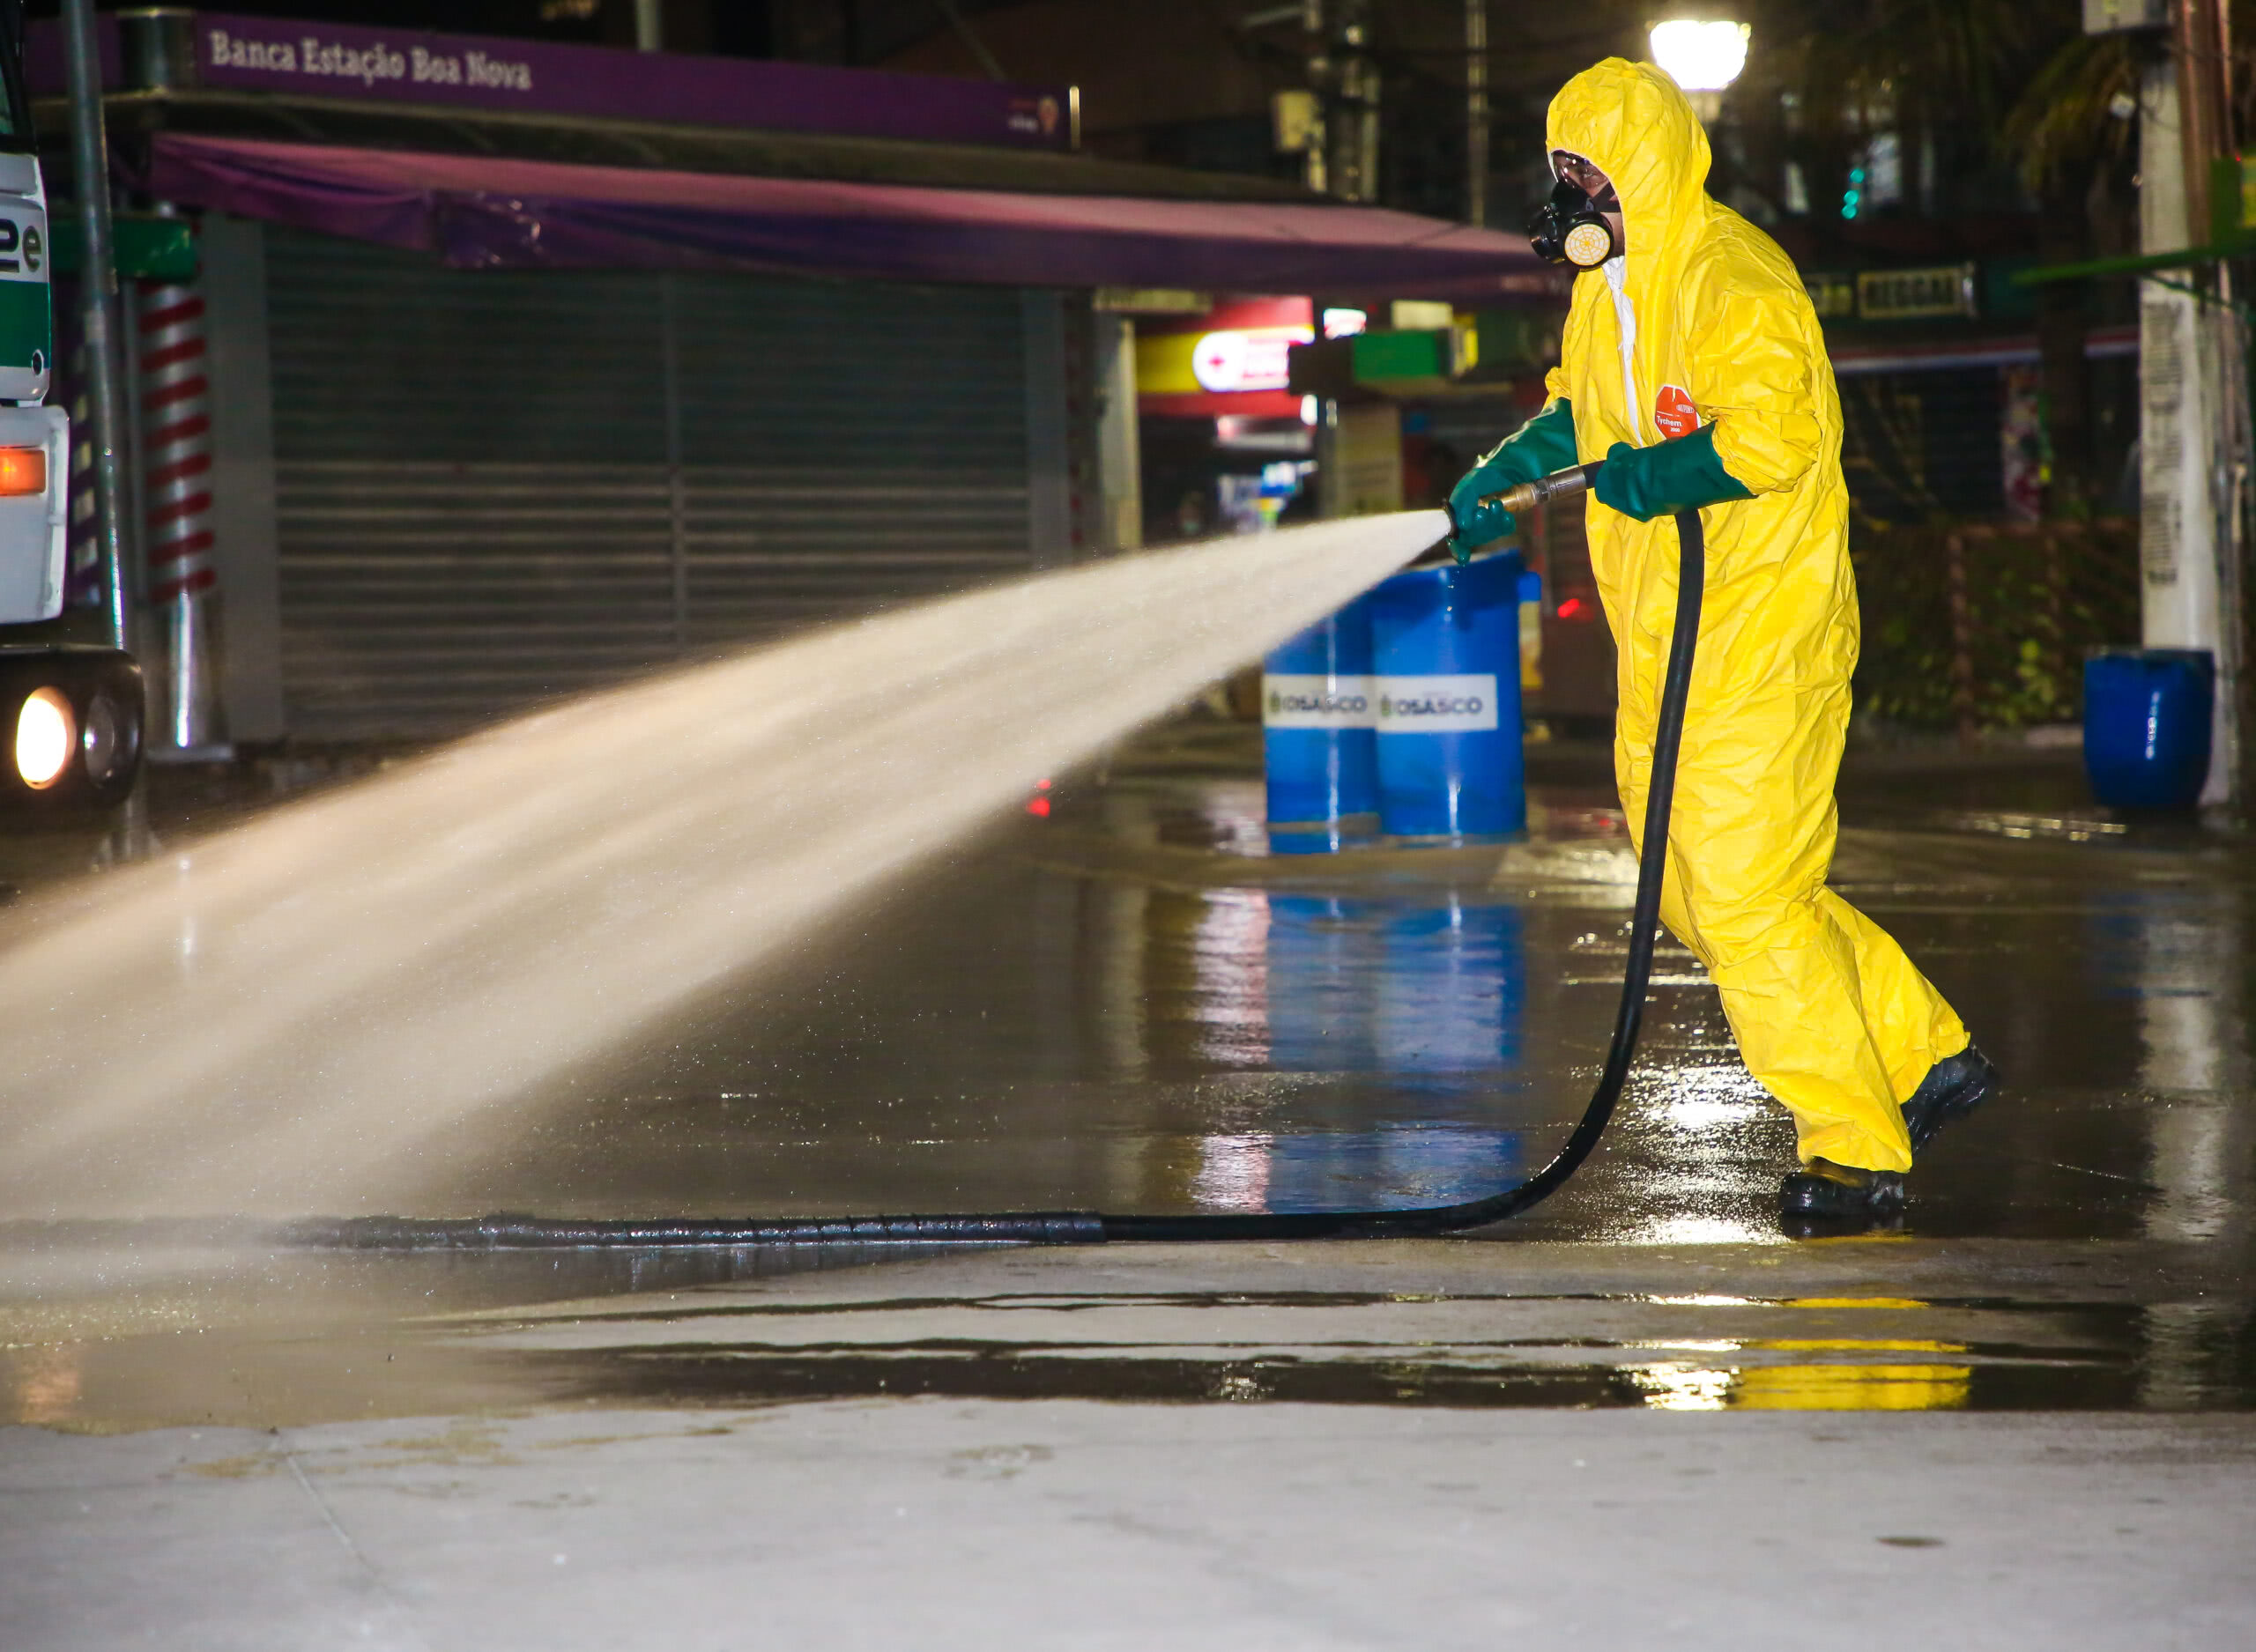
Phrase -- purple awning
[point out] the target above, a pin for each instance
(481, 212)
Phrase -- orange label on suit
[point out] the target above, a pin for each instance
(1673, 413)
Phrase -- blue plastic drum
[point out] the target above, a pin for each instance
(1318, 745)
(1445, 646)
(2146, 714)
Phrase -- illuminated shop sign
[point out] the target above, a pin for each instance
(1247, 359)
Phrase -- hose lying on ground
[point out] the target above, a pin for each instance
(1090, 1227)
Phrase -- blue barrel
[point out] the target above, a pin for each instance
(1318, 747)
(1445, 650)
(2146, 714)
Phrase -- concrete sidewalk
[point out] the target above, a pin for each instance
(977, 1524)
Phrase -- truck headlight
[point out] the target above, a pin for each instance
(46, 734)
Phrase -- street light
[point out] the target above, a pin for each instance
(1698, 54)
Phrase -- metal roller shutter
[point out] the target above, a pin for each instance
(844, 445)
(484, 502)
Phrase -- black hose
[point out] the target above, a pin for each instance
(1091, 1227)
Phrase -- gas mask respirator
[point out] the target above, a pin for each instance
(1571, 227)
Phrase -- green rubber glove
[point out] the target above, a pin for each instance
(1543, 444)
(1669, 477)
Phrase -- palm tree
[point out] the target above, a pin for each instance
(1925, 62)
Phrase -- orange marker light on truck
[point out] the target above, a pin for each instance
(22, 470)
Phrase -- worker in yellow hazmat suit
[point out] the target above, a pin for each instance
(1693, 365)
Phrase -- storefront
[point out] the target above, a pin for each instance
(493, 488)
(524, 385)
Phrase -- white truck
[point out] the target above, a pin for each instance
(70, 707)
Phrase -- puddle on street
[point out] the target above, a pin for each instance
(1438, 1351)
(1346, 1348)
(1004, 1374)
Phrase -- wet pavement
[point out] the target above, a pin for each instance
(1124, 1004)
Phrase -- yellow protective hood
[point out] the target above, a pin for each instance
(1631, 122)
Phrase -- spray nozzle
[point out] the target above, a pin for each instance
(1545, 490)
(1519, 500)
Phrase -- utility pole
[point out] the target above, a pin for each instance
(2193, 415)
(98, 317)
(100, 322)
(1347, 80)
(1359, 90)
(2205, 69)
(1476, 111)
(1314, 124)
(2201, 45)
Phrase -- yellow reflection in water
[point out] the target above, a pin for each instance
(1808, 1388)
(1814, 1386)
(1855, 1344)
(1852, 1388)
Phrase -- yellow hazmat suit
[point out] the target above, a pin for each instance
(1703, 320)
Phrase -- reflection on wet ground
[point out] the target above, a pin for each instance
(297, 1340)
(1125, 1005)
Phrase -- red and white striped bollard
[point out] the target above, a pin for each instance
(177, 483)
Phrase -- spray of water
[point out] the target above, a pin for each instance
(271, 1023)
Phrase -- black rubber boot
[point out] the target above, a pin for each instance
(1823, 1191)
(1953, 1087)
